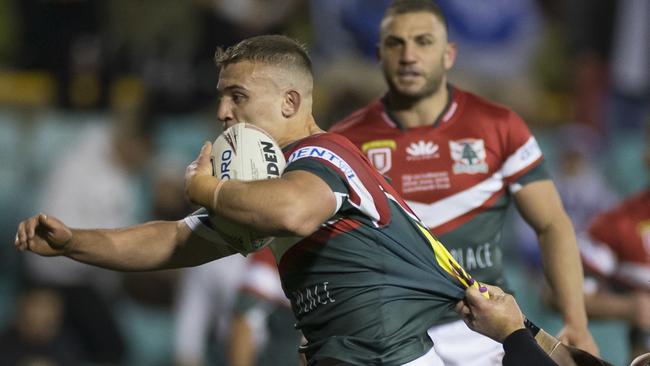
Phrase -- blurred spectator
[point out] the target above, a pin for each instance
(65, 38)
(226, 22)
(618, 258)
(630, 65)
(589, 28)
(8, 26)
(262, 328)
(157, 40)
(205, 298)
(345, 28)
(93, 185)
(498, 41)
(610, 45)
(37, 336)
(583, 189)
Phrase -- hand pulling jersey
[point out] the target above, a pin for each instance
(367, 285)
(457, 174)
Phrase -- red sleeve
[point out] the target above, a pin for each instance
(604, 229)
(521, 151)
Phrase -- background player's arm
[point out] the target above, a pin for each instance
(294, 205)
(633, 307)
(149, 246)
(242, 350)
(540, 205)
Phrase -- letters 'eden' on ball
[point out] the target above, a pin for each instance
(244, 152)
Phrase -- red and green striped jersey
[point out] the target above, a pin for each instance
(457, 174)
(618, 247)
(367, 285)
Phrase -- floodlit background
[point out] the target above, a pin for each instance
(103, 103)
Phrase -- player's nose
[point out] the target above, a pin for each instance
(225, 113)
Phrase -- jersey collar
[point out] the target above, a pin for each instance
(444, 116)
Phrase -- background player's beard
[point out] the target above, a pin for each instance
(431, 85)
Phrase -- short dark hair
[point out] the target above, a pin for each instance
(274, 50)
(398, 7)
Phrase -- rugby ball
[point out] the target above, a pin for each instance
(244, 152)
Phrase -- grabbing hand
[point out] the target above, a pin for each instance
(578, 337)
(199, 182)
(496, 317)
(43, 235)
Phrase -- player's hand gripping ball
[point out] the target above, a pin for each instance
(244, 152)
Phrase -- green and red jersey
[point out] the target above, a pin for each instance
(457, 174)
(367, 285)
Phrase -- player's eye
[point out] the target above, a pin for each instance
(392, 42)
(424, 41)
(238, 98)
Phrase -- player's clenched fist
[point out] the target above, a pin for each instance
(44, 235)
(199, 182)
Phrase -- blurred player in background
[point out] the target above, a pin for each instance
(617, 256)
(459, 160)
(262, 326)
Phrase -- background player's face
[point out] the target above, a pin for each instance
(248, 93)
(414, 54)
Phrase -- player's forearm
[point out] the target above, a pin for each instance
(610, 306)
(269, 207)
(139, 248)
(563, 269)
(242, 351)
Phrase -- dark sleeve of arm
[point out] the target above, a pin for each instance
(522, 349)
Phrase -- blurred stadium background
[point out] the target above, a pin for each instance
(119, 95)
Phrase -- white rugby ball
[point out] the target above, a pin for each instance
(244, 152)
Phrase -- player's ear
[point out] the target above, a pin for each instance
(291, 103)
(450, 55)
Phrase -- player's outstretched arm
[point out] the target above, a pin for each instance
(540, 205)
(294, 205)
(149, 246)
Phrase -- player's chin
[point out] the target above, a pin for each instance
(411, 91)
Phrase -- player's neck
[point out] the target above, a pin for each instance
(420, 112)
(298, 131)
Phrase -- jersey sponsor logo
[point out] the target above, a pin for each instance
(422, 150)
(380, 154)
(469, 156)
(359, 195)
(310, 298)
(429, 181)
(325, 154)
(477, 257)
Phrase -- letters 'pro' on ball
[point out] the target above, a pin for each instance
(244, 152)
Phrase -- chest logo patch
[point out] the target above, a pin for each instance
(422, 150)
(380, 154)
(469, 156)
(381, 158)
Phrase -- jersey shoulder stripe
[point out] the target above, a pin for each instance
(365, 190)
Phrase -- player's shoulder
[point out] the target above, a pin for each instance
(487, 110)
(360, 118)
(325, 145)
